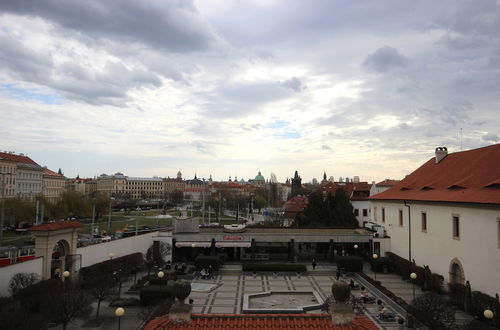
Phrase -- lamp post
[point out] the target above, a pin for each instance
(160, 275)
(413, 277)
(356, 249)
(119, 312)
(488, 314)
(375, 256)
(65, 275)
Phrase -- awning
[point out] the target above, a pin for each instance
(233, 244)
(193, 244)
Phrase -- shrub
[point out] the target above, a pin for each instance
(350, 263)
(341, 291)
(204, 261)
(433, 311)
(401, 265)
(126, 263)
(152, 294)
(481, 302)
(256, 267)
(436, 283)
(382, 263)
(22, 280)
(182, 289)
(457, 294)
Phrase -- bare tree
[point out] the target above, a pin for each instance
(22, 280)
(68, 303)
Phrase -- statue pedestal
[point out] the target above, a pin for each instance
(341, 314)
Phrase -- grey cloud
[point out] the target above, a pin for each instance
(491, 137)
(73, 80)
(385, 59)
(170, 25)
(325, 147)
(238, 100)
(293, 83)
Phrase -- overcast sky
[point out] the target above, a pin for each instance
(227, 88)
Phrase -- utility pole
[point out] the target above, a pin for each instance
(93, 218)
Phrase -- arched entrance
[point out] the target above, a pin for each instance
(56, 244)
(456, 272)
(58, 260)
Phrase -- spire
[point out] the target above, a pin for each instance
(324, 176)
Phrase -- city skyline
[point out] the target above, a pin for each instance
(224, 88)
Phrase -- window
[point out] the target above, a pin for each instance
(424, 222)
(365, 212)
(456, 226)
(356, 212)
(400, 218)
(383, 214)
(375, 213)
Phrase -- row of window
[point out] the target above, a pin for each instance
(365, 212)
(29, 175)
(423, 222)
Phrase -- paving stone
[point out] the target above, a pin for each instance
(222, 310)
(218, 301)
(225, 294)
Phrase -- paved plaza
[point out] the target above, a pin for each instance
(224, 293)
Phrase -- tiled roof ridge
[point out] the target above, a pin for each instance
(23, 159)
(464, 177)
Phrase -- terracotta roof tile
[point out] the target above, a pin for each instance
(258, 321)
(17, 158)
(56, 226)
(46, 171)
(471, 176)
(388, 182)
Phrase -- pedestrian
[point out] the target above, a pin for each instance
(337, 274)
(314, 263)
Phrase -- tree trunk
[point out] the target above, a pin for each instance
(98, 307)
(65, 324)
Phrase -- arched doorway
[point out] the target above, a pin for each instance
(456, 272)
(58, 263)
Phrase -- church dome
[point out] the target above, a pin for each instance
(259, 177)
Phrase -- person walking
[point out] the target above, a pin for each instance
(314, 263)
(337, 274)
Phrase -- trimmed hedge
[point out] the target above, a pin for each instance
(258, 267)
(204, 261)
(380, 263)
(126, 263)
(350, 263)
(150, 295)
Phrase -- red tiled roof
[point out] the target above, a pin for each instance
(46, 171)
(17, 158)
(57, 225)
(471, 176)
(388, 182)
(295, 205)
(259, 321)
(355, 191)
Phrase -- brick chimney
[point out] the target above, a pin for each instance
(441, 153)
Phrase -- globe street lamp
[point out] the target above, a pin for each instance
(65, 275)
(111, 255)
(413, 277)
(160, 275)
(119, 312)
(488, 314)
(375, 256)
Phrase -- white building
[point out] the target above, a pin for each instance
(453, 204)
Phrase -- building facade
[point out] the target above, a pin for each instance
(54, 184)
(7, 177)
(446, 214)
